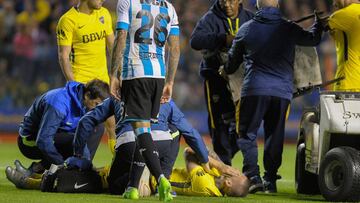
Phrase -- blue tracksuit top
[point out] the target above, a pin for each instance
(210, 34)
(266, 44)
(168, 113)
(57, 110)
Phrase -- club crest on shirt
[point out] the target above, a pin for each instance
(101, 19)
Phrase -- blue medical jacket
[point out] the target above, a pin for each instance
(57, 110)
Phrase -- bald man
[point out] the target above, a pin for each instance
(344, 26)
(266, 45)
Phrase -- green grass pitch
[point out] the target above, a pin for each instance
(286, 186)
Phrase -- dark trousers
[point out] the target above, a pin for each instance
(254, 110)
(221, 119)
(64, 145)
(119, 175)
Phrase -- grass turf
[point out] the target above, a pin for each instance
(286, 186)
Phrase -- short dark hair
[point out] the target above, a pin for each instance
(97, 89)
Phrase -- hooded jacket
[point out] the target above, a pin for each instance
(266, 45)
(57, 110)
(210, 35)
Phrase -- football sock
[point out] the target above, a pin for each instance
(137, 168)
(151, 156)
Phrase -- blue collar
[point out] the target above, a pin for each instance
(270, 13)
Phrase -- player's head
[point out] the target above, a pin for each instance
(339, 4)
(230, 7)
(94, 4)
(267, 3)
(95, 92)
(236, 186)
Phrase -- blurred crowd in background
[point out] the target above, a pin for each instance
(28, 51)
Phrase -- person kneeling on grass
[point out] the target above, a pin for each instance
(48, 128)
(166, 141)
(193, 180)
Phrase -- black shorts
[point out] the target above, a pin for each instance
(142, 98)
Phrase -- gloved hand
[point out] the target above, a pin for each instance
(76, 162)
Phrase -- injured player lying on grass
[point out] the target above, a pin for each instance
(193, 180)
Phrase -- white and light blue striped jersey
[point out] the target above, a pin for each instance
(149, 23)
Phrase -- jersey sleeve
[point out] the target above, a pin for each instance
(108, 23)
(341, 20)
(123, 13)
(88, 123)
(64, 31)
(174, 29)
(203, 184)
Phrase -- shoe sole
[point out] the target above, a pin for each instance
(256, 188)
(10, 175)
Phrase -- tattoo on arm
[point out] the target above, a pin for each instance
(173, 58)
(213, 155)
(118, 53)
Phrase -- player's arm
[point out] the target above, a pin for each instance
(117, 56)
(88, 123)
(109, 32)
(173, 58)
(223, 168)
(173, 46)
(110, 131)
(49, 124)
(173, 49)
(191, 160)
(110, 43)
(64, 35)
(117, 62)
(64, 60)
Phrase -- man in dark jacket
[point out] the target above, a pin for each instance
(48, 128)
(213, 35)
(266, 45)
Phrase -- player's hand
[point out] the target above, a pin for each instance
(228, 170)
(167, 93)
(115, 87)
(207, 169)
(79, 163)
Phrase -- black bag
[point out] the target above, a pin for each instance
(76, 181)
